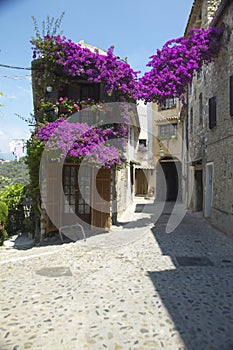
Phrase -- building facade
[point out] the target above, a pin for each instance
(144, 182)
(167, 150)
(71, 192)
(208, 123)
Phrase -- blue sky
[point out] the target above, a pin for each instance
(136, 29)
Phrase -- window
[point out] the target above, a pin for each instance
(170, 102)
(142, 143)
(190, 89)
(199, 74)
(82, 91)
(200, 16)
(191, 120)
(212, 112)
(200, 109)
(69, 185)
(231, 96)
(77, 189)
(167, 130)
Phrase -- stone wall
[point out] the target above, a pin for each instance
(220, 139)
(214, 146)
(122, 201)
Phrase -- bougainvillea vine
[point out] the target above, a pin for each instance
(172, 67)
(63, 139)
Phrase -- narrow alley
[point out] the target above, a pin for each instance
(136, 287)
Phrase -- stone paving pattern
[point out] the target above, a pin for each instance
(110, 293)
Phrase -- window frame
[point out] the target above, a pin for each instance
(212, 112)
(171, 128)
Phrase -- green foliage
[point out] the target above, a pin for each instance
(35, 149)
(13, 173)
(3, 213)
(49, 26)
(12, 197)
(3, 220)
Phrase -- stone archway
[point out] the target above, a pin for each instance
(168, 179)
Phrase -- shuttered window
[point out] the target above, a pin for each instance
(191, 120)
(212, 112)
(231, 96)
(82, 91)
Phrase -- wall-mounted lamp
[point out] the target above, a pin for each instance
(49, 88)
(161, 152)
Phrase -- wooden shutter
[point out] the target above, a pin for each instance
(101, 218)
(53, 196)
(212, 112)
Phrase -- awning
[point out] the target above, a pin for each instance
(174, 117)
(146, 167)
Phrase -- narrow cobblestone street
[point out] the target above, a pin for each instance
(153, 290)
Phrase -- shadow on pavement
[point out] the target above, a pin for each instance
(197, 294)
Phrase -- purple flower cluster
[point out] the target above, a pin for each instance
(172, 68)
(64, 139)
(115, 74)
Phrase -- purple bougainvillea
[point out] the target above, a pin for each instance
(172, 69)
(65, 139)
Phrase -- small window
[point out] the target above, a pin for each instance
(169, 103)
(212, 112)
(191, 120)
(199, 74)
(231, 96)
(200, 16)
(167, 130)
(142, 142)
(190, 89)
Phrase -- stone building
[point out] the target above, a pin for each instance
(167, 150)
(96, 197)
(144, 184)
(208, 123)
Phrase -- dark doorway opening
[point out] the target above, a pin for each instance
(199, 190)
(169, 179)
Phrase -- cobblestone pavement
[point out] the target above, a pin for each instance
(156, 290)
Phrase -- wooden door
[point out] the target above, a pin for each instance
(77, 191)
(101, 199)
(141, 184)
(53, 196)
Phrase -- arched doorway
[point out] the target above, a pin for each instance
(168, 179)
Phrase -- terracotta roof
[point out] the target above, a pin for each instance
(167, 118)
